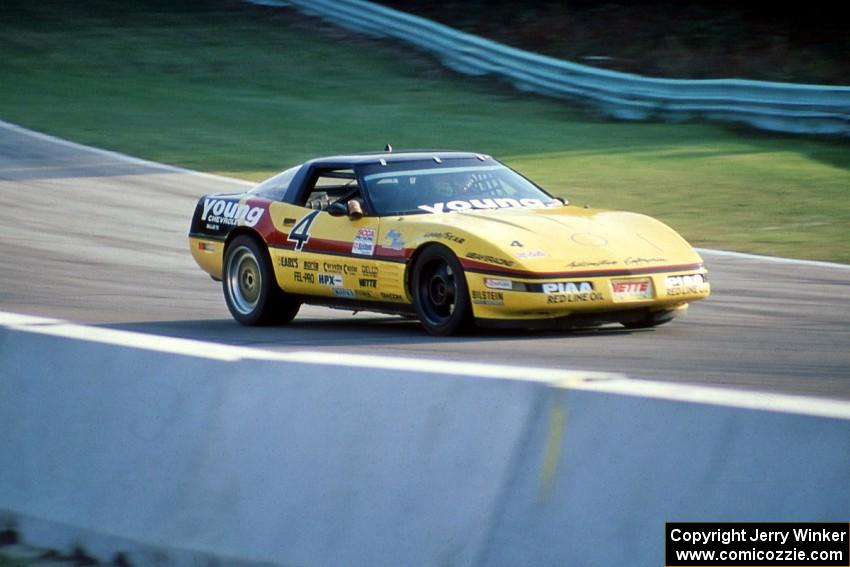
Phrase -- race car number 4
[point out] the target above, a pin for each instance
(631, 290)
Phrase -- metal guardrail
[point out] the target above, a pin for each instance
(784, 107)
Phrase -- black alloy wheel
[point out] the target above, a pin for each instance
(440, 293)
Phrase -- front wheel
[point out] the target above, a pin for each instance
(440, 293)
(250, 289)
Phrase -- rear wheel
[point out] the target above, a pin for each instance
(250, 289)
(440, 293)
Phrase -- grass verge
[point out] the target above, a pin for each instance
(6, 561)
(247, 91)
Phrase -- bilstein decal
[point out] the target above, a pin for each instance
(488, 297)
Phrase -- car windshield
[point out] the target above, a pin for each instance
(450, 186)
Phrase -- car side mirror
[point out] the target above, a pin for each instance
(337, 209)
(355, 210)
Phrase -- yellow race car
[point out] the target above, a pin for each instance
(451, 238)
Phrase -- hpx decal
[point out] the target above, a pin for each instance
(221, 211)
(332, 280)
(497, 203)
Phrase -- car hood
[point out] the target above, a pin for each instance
(569, 238)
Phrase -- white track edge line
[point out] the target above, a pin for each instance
(772, 259)
(718, 396)
(232, 353)
(119, 156)
(601, 382)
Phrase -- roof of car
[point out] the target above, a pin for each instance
(396, 157)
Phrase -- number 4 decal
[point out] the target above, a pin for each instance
(300, 233)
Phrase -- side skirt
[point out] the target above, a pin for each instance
(360, 305)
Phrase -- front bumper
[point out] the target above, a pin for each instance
(594, 299)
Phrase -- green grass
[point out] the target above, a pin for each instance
(8, 562)
(247, 92)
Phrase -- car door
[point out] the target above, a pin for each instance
(324, 254)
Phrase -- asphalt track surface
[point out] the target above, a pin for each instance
(99, 238)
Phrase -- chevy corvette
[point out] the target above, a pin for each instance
(454, 239)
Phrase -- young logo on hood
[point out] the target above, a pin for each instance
(497, 203)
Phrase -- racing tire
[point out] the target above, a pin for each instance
(250, 288)
(651, 319)
(440, 293)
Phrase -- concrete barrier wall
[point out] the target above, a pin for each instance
(622, 466)
(293, 463)
(177, 452)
